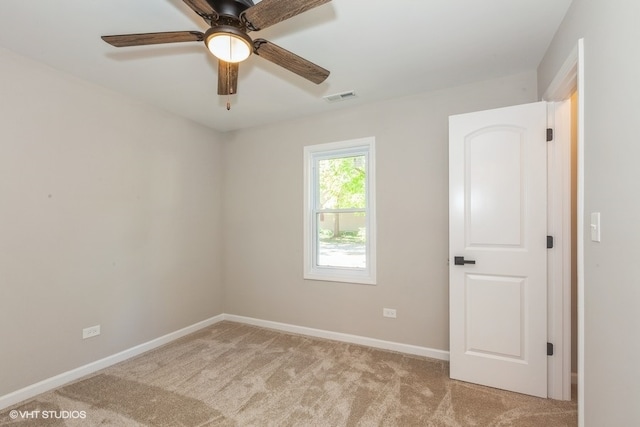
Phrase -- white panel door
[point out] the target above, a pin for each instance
(497, 220)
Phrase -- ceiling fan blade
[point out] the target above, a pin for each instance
(269, 12)
(143, 39)
(290, 61)
(202, 8)
(227, 78)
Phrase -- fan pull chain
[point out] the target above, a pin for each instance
(229, 88)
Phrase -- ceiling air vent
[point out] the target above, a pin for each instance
(340, 96)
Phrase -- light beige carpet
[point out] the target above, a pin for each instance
(232, 374)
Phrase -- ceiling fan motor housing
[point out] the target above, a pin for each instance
(230, 8)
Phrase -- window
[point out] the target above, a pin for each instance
(339, 235)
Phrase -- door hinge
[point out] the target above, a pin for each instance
(549, 134)
(549, 242)
(549, 349)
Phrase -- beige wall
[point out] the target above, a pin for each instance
(611, 151)
(109, 214)
(263, 180)
(118, 214)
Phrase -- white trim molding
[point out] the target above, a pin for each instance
(559, 220)
(77, 373)
(569, 78)
(90, 368)
(348, 338)
(565, 82)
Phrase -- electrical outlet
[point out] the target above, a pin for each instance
(92, 331)
(389, 312)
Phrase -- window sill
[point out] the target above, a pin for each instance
(359, 279)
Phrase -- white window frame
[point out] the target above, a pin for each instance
(312, 271)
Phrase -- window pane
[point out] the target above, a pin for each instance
(341, 182)
(342, 240)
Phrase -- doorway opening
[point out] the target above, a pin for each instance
(567, 310)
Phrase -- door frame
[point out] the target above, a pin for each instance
(569, 79)
(559, 261)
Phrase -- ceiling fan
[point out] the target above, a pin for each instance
(228, 39)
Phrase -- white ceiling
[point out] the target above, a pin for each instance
(379, 48)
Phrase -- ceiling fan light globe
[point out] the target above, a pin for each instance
(228, 44)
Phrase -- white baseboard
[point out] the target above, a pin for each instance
(74, 374)
(337, 336)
